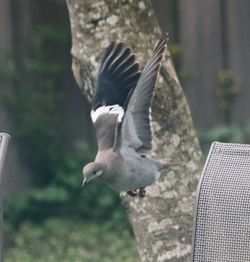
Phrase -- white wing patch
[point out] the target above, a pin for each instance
(114, 109)
(150, 115)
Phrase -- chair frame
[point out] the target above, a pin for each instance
(4, 141)
(197, 199)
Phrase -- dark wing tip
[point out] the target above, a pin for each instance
(162, 42)
(118, 74)
(108, 50)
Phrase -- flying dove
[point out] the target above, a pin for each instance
(121, 116)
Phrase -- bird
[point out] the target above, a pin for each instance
(121, 113)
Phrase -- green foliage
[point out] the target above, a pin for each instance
(70, 240)
(227, 92)
(224, 133)
(34, 97)
(176, 55)
(64, 197)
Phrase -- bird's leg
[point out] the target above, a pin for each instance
(142, 192)
(132, 193)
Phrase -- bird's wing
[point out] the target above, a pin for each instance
(117, 78)
(136, 129)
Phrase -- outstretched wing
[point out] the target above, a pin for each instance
(118, 74)
(136, 129)
(117, 78)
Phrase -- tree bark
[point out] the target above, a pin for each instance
(162, 221)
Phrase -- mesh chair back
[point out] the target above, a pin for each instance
(4, 139)
(222, 222)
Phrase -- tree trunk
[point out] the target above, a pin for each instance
(162, 221)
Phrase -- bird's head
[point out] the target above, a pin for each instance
(92, 171)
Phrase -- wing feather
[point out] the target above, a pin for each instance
(118, 70)
(117, 78)
(136, 129)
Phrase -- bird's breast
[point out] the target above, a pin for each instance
(130, 172)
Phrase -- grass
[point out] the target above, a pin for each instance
(68, 240)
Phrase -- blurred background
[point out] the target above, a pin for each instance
(52, 138)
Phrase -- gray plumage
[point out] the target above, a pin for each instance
(121, 116)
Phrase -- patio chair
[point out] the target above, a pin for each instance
(4, 139)
(222, 219)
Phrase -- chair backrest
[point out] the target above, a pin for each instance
(222, 219)
(4, 139)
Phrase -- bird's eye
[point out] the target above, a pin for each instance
(94, 172)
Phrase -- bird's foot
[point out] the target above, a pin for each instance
(132, 193)
(142, 192)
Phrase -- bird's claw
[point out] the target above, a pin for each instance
(141, 192)
(132, 193)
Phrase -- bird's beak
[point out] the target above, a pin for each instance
(84, 182)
